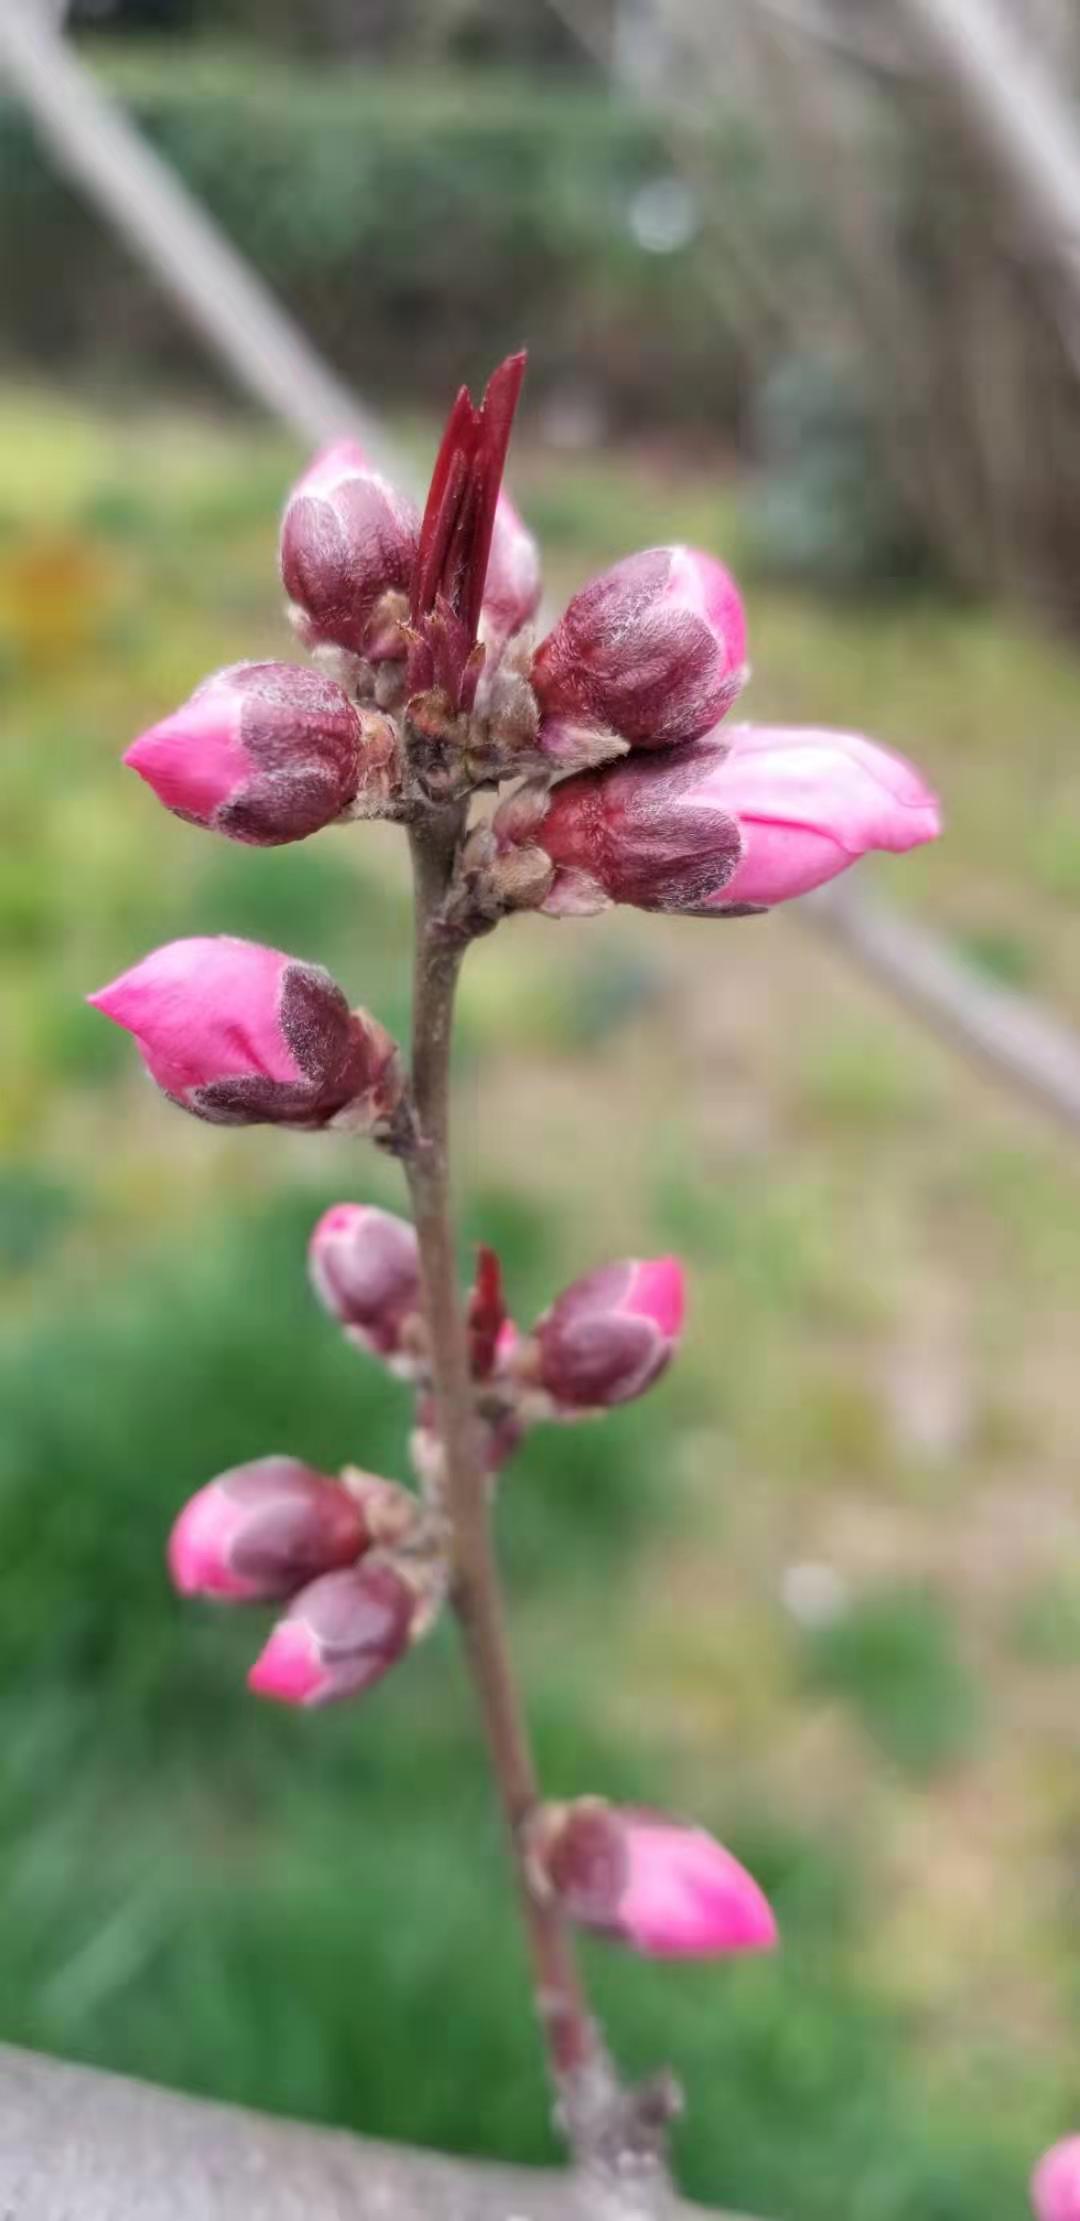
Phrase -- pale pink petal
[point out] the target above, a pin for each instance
(810, 802)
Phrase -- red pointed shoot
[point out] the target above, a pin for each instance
(487, 1313)
(459, 519)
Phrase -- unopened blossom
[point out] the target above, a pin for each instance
(263, 1530)
(1055, 2184)
(348, 549)
(744, 819)
(265, 753)
(341, 1634)
(242, 1035)
(650, 654)
(512, 586)
(365, 1269)
(608, 1337)
(663, 1887)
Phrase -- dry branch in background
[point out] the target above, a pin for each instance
(131, 2153)
(95, 144)
(958, 258)
(1000, 86)
(1007, 1033)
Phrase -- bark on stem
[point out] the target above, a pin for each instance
(617, 2136)
(576, 2054)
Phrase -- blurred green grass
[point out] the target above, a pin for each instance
(879, 1376)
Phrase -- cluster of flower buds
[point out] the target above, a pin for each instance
(606, 1339)
(360, 1560)
(403, 613)
(1055, 2184)
(350, 1555)
(428, 685)
(364, 1265)
(633, 790)
(241, 1035)
(662, 1886)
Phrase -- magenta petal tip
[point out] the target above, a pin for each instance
(288, 1668)
(1055, 2183)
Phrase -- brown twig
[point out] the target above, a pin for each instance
(613, 2134)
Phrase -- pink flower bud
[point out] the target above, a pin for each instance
(512, 586)
(1055, 2184)
(748, 820)
(242, 1035)
(665, 1888)
(652, 652)
(338, 1636)
(264, 752)
(348, 541)
(610, 1335)
(262, 1530)
(365, 1269)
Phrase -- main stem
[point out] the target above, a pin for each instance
(578, 2062)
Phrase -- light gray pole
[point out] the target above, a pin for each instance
(180, 246)
(1013, 111)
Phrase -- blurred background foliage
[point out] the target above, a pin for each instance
(414, 219)
(823, 1589)
(707, 231)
